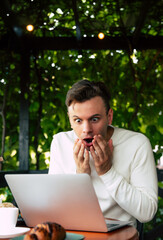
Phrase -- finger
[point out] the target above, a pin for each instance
(77, 147)
(101, 142)
(92, 151)
(75, 143)
(86, 158)
(99, 146)
(81, 152)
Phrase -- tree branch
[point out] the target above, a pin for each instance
(3, 128)
(133, 69)
(39, 114)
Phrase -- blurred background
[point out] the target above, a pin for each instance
(46, 46)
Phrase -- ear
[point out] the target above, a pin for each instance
(110, 116)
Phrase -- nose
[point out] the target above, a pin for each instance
(87, 127)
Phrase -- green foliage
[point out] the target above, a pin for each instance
(5, 195)
(136, 99)
(133, 77)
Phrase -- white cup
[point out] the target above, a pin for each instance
(8, 218)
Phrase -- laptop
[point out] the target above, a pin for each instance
(67, 199)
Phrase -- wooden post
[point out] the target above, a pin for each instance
(24, 112)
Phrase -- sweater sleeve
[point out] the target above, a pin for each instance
(61, 153)
(139, 195)
(55, 164)
(52, 161)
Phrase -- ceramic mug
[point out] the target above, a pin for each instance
(8, 218)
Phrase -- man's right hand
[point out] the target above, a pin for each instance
(81, 157)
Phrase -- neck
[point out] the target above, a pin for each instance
(110, 131)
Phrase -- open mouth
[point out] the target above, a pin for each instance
(88, 141)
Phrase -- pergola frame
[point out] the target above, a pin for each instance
(19, 42)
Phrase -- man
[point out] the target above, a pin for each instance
(120, 162)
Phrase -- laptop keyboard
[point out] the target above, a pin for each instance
(111, 225)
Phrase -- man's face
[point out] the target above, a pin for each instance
(89, 118)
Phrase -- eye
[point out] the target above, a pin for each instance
(78, 120)
(94, 119)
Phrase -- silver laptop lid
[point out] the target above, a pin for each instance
(67, 199)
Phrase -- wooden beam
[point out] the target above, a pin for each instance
(146, 4)
(71, 43)
(24, 112)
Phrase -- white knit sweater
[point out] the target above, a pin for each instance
(128, 191)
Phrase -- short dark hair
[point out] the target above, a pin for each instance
(84, 90)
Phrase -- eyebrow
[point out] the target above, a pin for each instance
(94, 115)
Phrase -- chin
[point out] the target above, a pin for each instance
(88, 147)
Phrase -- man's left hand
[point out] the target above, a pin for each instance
(102, 152)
